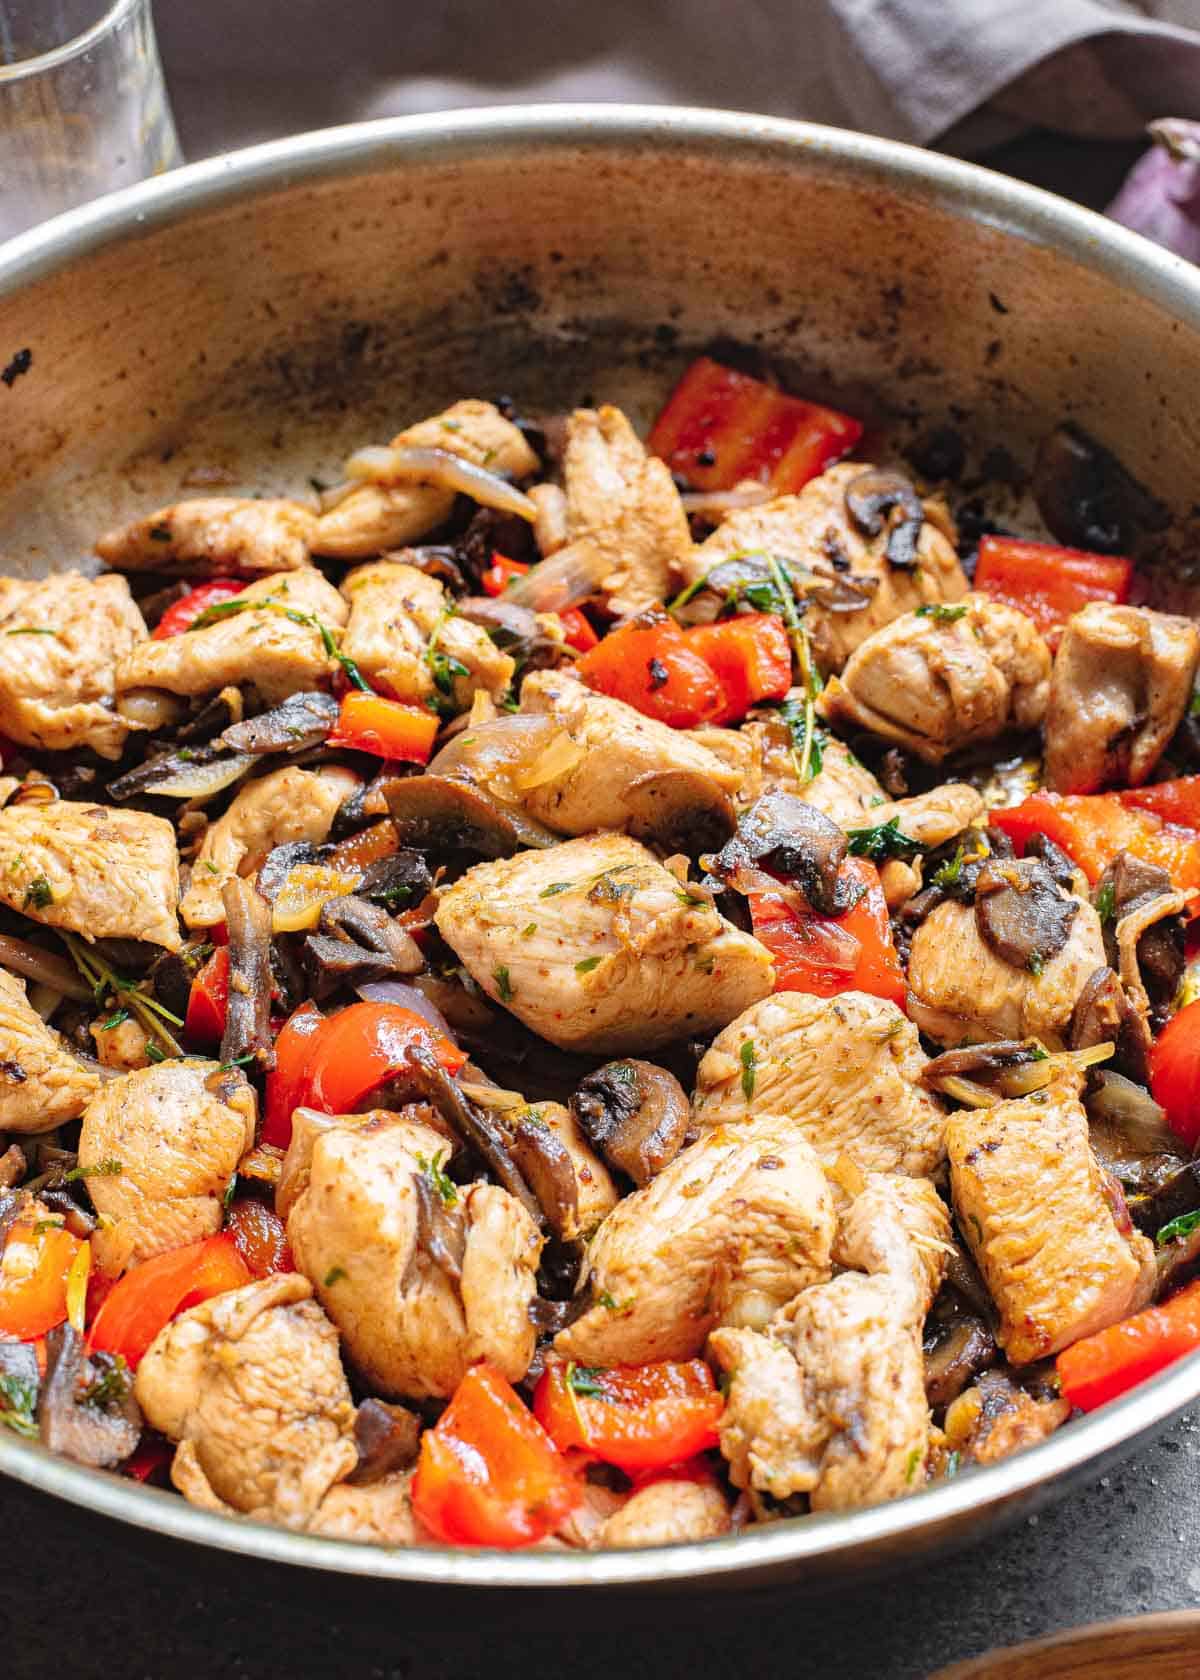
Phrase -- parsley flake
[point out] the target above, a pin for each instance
(503, 984)
(749, 1060)
(587, 965)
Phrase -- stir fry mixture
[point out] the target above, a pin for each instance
(580, 992)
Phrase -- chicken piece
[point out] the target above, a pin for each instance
(251, 1386)
(160, 1147)
(594, 945)
(842, 789)
(91, 869)
(421, 1279)
(814, 531)
(287, 805)
(741, 751)
(42, 1084)
(375, 517)
(843, 1072)
(1121, 683)
(121, 1047)
(995, 1418)
(1048, 1228)
(272, 643)
(728, 1233)
(937, 684)
(213, 536)
(930, 819)
(379, 1512)
(400, 621)
(959, 989)
(63, 636)
(550, 526)
(619, 750)
(667, 1513)
(623, 511)
(831, 1400)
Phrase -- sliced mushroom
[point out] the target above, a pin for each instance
(954, 1353)
(13, 1166)
(248, 1015)
(1020, 912)
(164, 767)
(876, 497)
(441, 1230)
(1060, 866)
(370, 926)
(781, 833)
(332, 964)
(281, 860)
(87, 1411)
(303, 720)
(387, 1438)
(681, 810)
(546, 1167)
(398, 882)
(977, 1061)
(1104, 1014)
(1135, 889)
(1087, 498)
(434, 813)
(636, 1114)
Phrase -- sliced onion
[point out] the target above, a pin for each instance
(46, 967)
(408, 997)
(571, 575)
(724, 501)
(44, 999)
(496, 754)
(307, 889)
(204, 781)
(1035, 1076)
(407, 465)
(1134, 1111)
(558, 759)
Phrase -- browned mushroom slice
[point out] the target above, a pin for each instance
(956, 1352)
(248, 1017)
(792, 839)
(436, 812)
(547, 1168)
(637, 1115)
(679, 809)
(977, 1061)
(876, 498)
(1087, 498)
(387, 1438)
(87, 1410)
(1021, 914)
(1103, 1014)
(441, 1229)
(303, 720)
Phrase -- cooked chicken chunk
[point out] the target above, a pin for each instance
(843, 789)
(1049, 1230)
(814, 530)
(667, 1513)
(380, 1512)
(376, 517)
(959, 989)
(160, 1147)
(42, 1084)
(937, 684)
(273, 643)
(287, 805)
(621, 755)
(63, 636)
(212, 536)
(1121, 683)
(931, 818)
(623, 511)
(251, 1387)
(595, 946)
(726, 1234)
(400, 621)
(121, 1047)
(995, 1418)
(91, 869)
(831, 1400)
(843, 1072)
(421, 1279)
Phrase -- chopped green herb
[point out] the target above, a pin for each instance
(114, 1020)
(211, 867)
(952, 1463)
(32, 630)
(885, 840)
(556, 887)
(155, 1053)
(605, 890)
(1177, 1229)
(54, 1223)
(914, 1458)
(1036, 963)
(18, 1398)
(587, 965)
(445, 668)
(806, 741)
(272, 603)
(1106, 903)
(332, 1276)
(230, 1192)
(1194, 704)
(1039, 1053)
(236, 1062)
(38, 893)
(503, 984)
(978, 1228)
(691, 899)
(940, 613)
(948, 874)
(109, 1168)
(111, 1387)
(605, 1300)
(528, 930)
(437, 1176)
(585, 1380)
(749, 1060)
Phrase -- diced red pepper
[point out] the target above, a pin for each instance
(501, 573)
(355, 1050)
(825, 955)
(488, 1474)
(150, 1295)
(648, 664)
(1175, 1073)
(1046, 583)
(37, 1258)
(638, 1417)
(1175, 802)
(208, 1000)
(1100, 1367)
(577, 630)
(751, 658)
(720, 426)
(259, 1237)
(184, 613)
(388, 728)
(292, 1048)
(150, 1460)
(1093, 827)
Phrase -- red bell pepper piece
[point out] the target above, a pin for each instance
(488, 1474)
(1093, 827)
(284, 1081)
(501, 573)
(184, 613)
(259, 1236)
(638, 1417)
(720, 426)
(1175, 1073)
(354, 1051)
(388, 728)
(751, 658)
(33, 1275)
(649, 664)
(825, 955)
(577, 630)
(150, 1460)
(1100, 1367)
(1175, 802)
(208, 1000)
(150, 1295)
(1046, 583)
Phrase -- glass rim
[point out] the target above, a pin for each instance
(110, 20)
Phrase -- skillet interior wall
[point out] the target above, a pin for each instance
(253, 344)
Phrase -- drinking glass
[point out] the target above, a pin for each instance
(83, 108)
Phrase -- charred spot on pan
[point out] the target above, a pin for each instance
(19, 364)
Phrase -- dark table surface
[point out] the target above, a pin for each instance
(1126, 1542)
